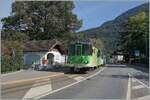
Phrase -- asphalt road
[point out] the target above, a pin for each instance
(112, 83)
(26, 74)
(108, 82)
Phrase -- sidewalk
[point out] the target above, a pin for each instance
(144, 98)
(139, 64)
(27, 75)
(139, 67)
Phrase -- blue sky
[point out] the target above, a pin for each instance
(93, 13)
(5, 9)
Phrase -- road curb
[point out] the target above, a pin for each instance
(138, 67)
(29, 80)
(11, 73)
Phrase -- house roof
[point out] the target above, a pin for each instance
(6, 51)
(42, 45)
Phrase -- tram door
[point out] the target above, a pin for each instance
(50, 58)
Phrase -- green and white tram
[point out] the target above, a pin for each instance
(83, 56)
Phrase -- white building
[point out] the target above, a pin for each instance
(44, 53)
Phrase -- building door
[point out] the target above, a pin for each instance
(50, 58)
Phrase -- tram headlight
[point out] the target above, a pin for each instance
(86, 61)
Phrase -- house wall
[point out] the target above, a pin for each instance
(33, 57)
(58, 58)
(117, 58)
(37, 57)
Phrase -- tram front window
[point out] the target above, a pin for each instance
(87, 50)
(78, 50)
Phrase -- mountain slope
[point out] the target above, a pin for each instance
(109, 31)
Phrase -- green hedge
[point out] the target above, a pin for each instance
(11, 63)
(142, 60)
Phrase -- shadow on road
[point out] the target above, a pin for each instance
(116, 76)
(64, 70)
(137, 67)
(116, 66)
(140, 76)
(142, 72)
(140, 68)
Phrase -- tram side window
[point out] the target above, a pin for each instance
(72, 50)
(87, 50)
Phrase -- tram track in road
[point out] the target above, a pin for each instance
(64, 79)
(112, 83)
(100, 81)
(23, 83)
(69, 85)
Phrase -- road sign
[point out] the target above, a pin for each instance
(137, 52)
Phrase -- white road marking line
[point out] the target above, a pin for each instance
(79, 78)
(133, 80)
(35, 91)
(141, 83)
(137, 87)
(50, 92)
(128, 97)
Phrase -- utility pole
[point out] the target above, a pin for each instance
(146, 50)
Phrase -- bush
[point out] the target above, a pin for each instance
(141, 60)
(11, 63)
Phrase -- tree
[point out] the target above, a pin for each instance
(135, 35)
(35, 20)
(42, 19)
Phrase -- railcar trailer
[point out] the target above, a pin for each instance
(84, 56)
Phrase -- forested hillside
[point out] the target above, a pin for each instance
(110, 30)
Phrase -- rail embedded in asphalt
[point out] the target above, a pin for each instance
(72, 84)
